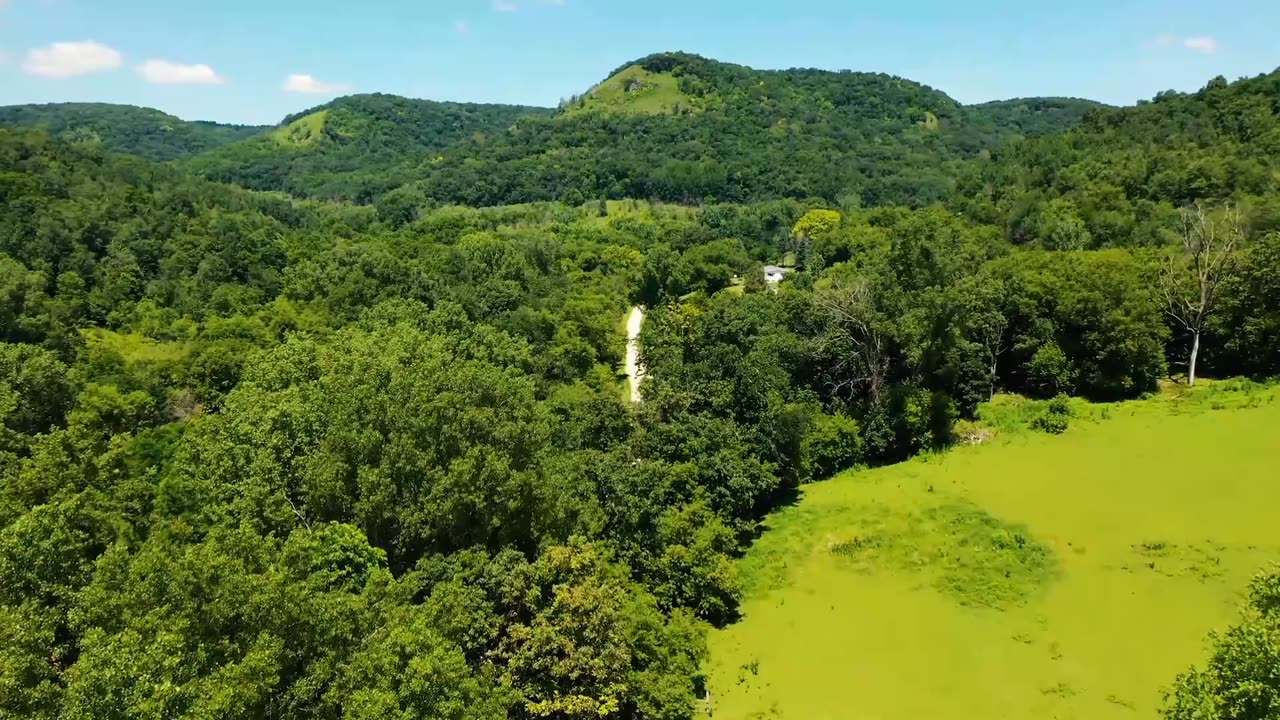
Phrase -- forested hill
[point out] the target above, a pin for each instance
(671, 126)
(356, 147)
(1116, 178)
(1033, 117)
(683, 128)
(127, 129)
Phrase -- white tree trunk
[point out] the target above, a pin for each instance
(1195, 355)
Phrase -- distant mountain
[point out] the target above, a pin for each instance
(670, 126)
(356, 147)
(680, 127)
(126, 129)
(637, 89)
(1033, 117)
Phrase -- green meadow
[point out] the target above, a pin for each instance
(1028, 576)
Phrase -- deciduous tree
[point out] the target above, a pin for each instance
(1191, 279)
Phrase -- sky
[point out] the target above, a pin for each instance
(255, 61)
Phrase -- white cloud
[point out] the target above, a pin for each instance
(68, 59)
(1203, 43)
(309, 85)
(1206, 44)
(462, 26)
(164, 72)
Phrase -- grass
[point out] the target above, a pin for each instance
(303, 131)
(1030, 576)
(634, 90)
(961, 551)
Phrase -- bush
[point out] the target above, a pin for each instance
(833, 444)
(1051, 423)
(1061, 405)
(1056, 417)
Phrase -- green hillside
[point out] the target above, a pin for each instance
(1117, 176)
(356, 147)
(1033, 577)
(127, 129)
(636, 90)
(671, 126)
(1033, 117)
(683, 128)
(306, 130)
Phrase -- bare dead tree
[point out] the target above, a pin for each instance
(305, 522)
(1190, 279)
(860, 349)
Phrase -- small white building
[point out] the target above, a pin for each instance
(774, 274)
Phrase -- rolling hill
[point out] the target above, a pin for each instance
(682, 128)
(670, 126)
(127, 129)
(1117, 176)
(356, 147)
(1034, 117)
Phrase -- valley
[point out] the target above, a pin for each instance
(711, 391)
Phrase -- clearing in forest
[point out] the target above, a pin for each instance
(1030, 577)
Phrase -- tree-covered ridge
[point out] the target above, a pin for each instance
(692, 129)
(127, 129)
(357, 147)
(725, 132)
(1033, 117)
(1117, 178)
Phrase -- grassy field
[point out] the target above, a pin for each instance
(634, 90)
(1031, 576)
(303, 131)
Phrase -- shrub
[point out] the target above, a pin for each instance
(1056, 417)
(833, 444)
(1051, 423)
(1061, 405)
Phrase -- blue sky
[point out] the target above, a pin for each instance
(232, 60)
